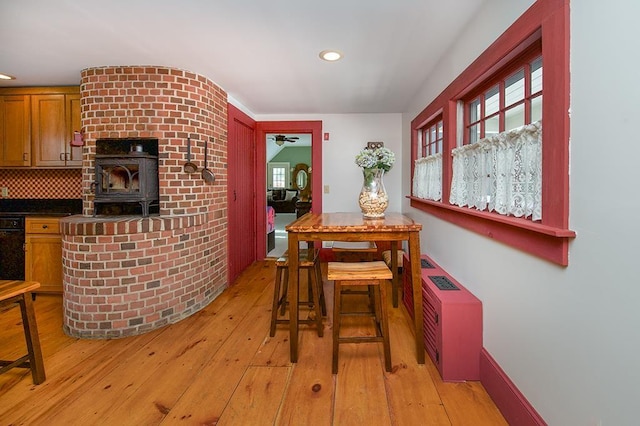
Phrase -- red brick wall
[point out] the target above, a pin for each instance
(167, 104)
(128, 275)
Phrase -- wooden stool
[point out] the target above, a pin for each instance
(20, 292)
(372, 274)
(354, 251)
(309, 260)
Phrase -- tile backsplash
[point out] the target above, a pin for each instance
(42, 183)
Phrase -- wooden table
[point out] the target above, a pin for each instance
(393, 227)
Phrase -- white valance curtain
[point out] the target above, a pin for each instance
(501, 173)
(427, 177)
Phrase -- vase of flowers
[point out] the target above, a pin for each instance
(374, 163)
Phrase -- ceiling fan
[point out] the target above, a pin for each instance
(281, 139)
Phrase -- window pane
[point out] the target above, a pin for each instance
(433, 134)
(440, 130)
(474, 110)
(514, 88)
(492, 126)
(514, 117)
(440, 145)
(492, 100)
(536, 108)
(474, 133)
(536, 75)
(278, 177)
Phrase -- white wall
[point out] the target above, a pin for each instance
(568, 337)
(348, 134)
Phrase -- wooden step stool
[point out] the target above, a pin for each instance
(20, 292)
(309, 260)
(372, 274)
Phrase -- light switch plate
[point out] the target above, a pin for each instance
(5, 191)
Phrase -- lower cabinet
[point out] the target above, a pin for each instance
(43, 253)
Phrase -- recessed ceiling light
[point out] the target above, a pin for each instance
(6, 77)
(330, 55)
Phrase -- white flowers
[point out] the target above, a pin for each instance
(379, 158)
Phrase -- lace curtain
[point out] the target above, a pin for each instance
(501, 173)
(427, 177)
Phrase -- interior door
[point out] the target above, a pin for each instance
(242, 223)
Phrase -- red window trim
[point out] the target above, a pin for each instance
(547, 20)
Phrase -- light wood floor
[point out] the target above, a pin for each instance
(220, 366)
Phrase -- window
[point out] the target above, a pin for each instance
(277, 175)
(499, 169)
(502, 90)
(511, 102)
(431, 137)
(427, 181)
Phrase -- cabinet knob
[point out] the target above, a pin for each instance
(45, 226)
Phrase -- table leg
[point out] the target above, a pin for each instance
(32, 338)
(416, 279)
(293, 295)
(394, 268)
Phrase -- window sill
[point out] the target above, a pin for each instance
(544, 241)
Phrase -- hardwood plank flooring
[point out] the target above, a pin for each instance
(220, 366)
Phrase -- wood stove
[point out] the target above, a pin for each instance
(125, 179)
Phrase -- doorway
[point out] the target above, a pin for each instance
(287, 154)
(271, 131)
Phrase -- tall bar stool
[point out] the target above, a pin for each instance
(372, 274)
(309, 260)
(355, 251)
(20, 292)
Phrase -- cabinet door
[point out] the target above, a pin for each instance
(49, 130)
(15, 135)
(43, 261)
(74, 124)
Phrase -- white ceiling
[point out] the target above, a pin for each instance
(264, 53)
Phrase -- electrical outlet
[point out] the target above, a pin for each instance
(5, 191)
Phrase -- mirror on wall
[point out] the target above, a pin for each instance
(302, 181)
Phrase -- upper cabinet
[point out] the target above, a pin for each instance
(15, 127)
(50, 117)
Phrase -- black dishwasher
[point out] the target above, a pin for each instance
(12, 248)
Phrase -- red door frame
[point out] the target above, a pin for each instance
(262, 129)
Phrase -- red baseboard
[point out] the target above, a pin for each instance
(514, 406)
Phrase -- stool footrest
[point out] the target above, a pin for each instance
(361, 339)
(20, 362)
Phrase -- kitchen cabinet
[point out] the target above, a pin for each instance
(15, 127)
(43, 253)
(51, 115)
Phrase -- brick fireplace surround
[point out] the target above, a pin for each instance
(126, 275)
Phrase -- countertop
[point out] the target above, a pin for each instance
(41, 207)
